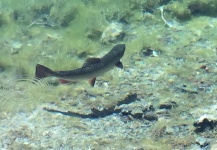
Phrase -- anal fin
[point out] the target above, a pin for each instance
(64, 81)
(92, 81)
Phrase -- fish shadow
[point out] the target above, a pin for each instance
(96, 113)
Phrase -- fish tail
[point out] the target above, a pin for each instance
(42, 71)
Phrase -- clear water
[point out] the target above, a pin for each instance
(168, 80)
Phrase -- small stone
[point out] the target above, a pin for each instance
(15, 46)
(8, 142)
(169, 130)
(202, 141)
(137, 113)
(168, 105)
(150, 116)
(214, 146)
(112, 33)
(149, 52)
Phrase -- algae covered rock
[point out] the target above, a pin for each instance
(203, 7)
(206, 119)
(138, 111)
(168, 105)
(94, 34)
(180, 10)
(184, 10)
(113, 33)
(66, 18)
(205, 122)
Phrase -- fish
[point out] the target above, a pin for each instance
(91, 69)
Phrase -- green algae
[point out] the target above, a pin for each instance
(74, 37)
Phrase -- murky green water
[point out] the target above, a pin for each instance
(168, 80)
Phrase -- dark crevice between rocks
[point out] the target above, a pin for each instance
(137, 110)
(150, 115)
(168, 105)
(96, 113)
(186, 89)
(128, 99)
(204, 125)
(149, 52)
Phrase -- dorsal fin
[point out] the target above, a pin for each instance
(91, 61)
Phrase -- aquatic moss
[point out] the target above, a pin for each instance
(146, 38)
(206, 54)
(179, 10)
(153, 144)
(147, 5)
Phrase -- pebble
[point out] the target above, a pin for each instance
(214, 146)
(112, 33)
(15, 46)
(8, 142)
(202, 141)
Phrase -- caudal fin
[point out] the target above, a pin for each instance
(42, 71)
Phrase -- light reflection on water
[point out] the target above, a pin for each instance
(20, 94)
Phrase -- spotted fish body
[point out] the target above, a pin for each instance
(92, 68)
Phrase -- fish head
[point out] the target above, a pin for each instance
(115, 54)
(118, 51)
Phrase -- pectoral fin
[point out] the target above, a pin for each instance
(119, 64)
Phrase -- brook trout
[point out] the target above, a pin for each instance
(92, 67)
